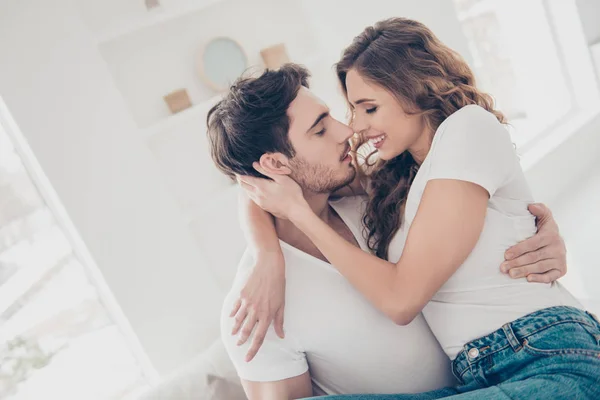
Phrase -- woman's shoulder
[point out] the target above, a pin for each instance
(471, 117)
(472, 124)
(474, 146)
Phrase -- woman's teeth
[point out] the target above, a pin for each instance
(377, 139)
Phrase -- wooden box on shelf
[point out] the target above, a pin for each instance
(150, 4)
(178, 100)
(275, 56)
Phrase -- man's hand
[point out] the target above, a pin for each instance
(541, 258)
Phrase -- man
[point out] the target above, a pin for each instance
(335, 341)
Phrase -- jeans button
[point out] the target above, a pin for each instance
(473, 353)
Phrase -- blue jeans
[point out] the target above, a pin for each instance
(553, 353)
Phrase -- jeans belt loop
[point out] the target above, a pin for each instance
(512, 338)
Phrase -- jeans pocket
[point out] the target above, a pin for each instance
(565, 338)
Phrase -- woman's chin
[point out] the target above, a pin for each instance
(384, 155)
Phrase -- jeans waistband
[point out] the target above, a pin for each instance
(513, 333)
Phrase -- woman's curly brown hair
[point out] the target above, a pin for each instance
(406, 58)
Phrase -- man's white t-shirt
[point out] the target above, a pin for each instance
(472, 145)
(349, 345)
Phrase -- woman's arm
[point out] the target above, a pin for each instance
(262, 299)
(258, 227)
(444, 232)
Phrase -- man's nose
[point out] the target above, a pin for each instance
(344, 132)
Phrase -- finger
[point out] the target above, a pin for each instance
(258, 339)
(517, 273)
(539, 210)
(525, 259)
(235, 308)
(540, 267)
(240, 317)
(278, 323)
(249, 180)
(548, 277)
(534, 243)
(544, 220)
(246, 331)
(247, 187)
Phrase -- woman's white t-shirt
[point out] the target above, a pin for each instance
(472, 145)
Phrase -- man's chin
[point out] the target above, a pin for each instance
(315, 181)
(344, 183)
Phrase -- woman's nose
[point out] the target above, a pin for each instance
(358, 124)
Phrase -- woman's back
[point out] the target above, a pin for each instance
(471, 145)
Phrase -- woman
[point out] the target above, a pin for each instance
(447, 197)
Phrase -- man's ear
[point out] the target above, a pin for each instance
(275, 163)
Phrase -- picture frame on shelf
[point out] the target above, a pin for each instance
(221, 62)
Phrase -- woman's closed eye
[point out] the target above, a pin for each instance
(371, 110)
(321, 132)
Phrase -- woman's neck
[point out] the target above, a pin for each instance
(421, 147)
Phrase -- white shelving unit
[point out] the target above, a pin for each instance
(153, 52)
(199, 110)
(164, 13)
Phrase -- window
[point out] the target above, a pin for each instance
(533, 58)
(57, 340)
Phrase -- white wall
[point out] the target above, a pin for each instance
(553, 171)
(337, 24)
(62, 96)
(589, 12)
(578, 215)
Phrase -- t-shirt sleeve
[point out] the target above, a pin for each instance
(473, 146)
(277, 358)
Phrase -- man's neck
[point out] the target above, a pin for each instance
(287, 231)
(318, 202)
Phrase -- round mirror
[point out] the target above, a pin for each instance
(222, 62)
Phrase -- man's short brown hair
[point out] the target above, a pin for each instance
(252, 119)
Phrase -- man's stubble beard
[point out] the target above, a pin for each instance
(317, 178)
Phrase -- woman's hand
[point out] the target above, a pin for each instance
(262, 301)
(281, 196)
(542, 257)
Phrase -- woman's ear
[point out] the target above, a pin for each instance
(275, 163)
